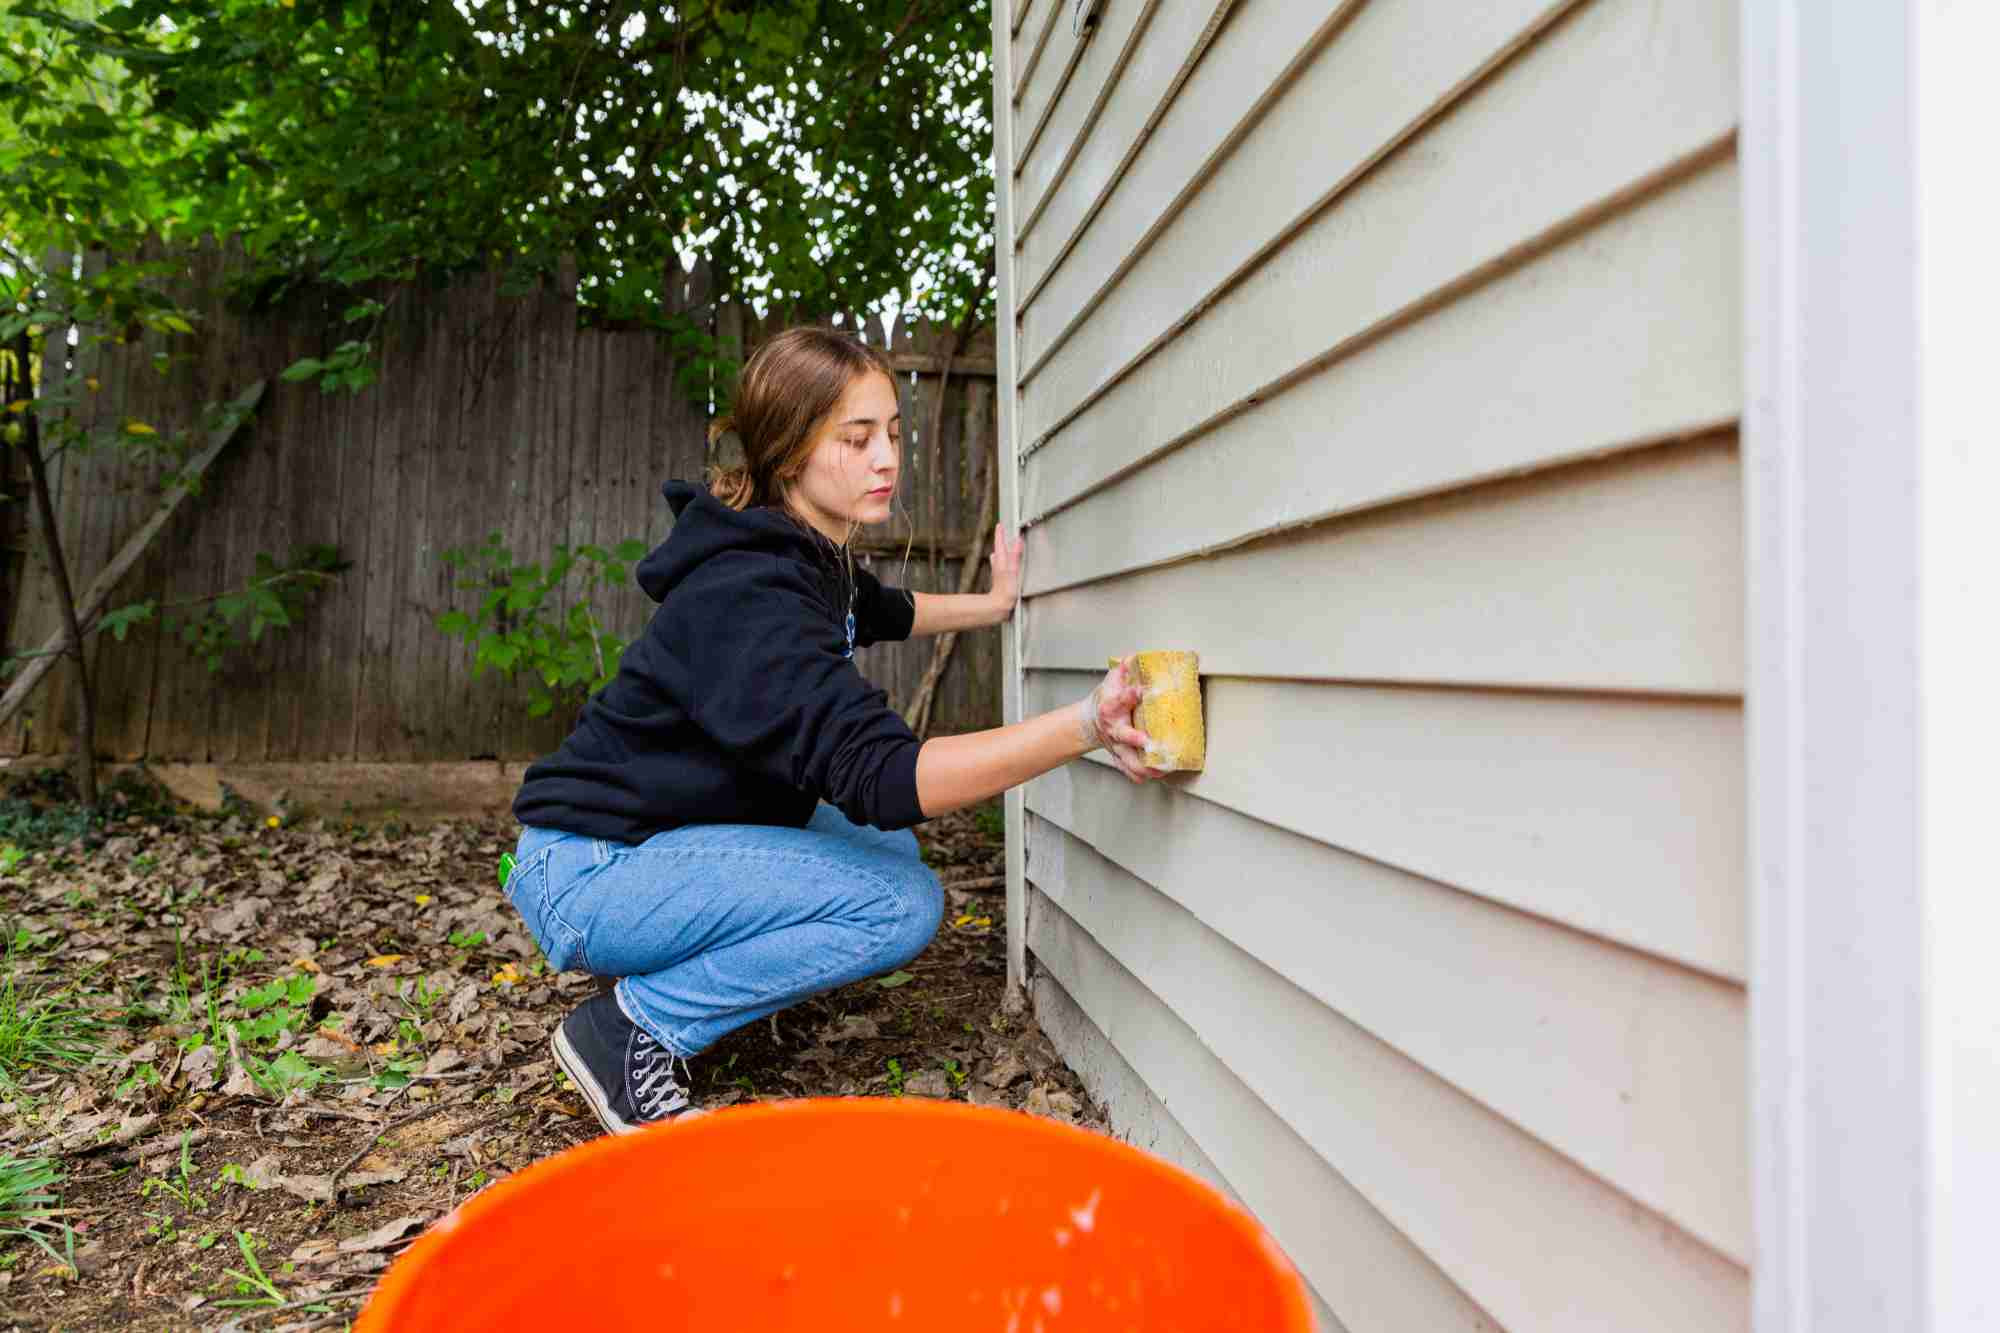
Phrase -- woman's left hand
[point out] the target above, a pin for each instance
(1006, 562)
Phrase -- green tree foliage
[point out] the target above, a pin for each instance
(821, 154)
(539, 621)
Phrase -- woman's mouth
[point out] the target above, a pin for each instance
(882, 490)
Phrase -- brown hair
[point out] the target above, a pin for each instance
(789, 386)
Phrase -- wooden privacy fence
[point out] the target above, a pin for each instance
(492, 412)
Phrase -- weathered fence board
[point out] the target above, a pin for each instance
(494, 412)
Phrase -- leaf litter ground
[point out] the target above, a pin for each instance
(263, 1055)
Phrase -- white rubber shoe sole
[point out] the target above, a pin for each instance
(595, 1096)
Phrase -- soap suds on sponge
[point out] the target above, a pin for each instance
(1169, 710)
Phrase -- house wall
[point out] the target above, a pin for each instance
(1388, 355)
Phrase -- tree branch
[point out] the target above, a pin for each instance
(919, 715)
(86, 767)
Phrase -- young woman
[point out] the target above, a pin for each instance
(726, 828)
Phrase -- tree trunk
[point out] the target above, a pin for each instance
(86, 725)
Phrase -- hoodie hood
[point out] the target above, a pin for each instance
(704, 526)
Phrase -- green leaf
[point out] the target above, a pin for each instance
(895, 979)
(122, 619)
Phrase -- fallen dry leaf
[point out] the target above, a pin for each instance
(443, 1061)
(324, 1045)
(334, 898)
(853, 1027)
(264, 1173)
(381, 1237)
(930, 1083)
(318, 1250)
(1004, 1072)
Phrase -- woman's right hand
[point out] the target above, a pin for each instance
(1104, 718)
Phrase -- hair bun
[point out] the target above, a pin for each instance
(731, 485)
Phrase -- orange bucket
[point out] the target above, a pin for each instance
(845, 1213)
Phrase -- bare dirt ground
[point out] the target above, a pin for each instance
(259, 1056)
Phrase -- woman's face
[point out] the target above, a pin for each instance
(850, 476)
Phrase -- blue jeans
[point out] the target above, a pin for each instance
(713, 926)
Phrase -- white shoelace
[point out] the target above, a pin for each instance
(658, 1091)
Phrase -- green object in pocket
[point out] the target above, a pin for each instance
(506, 868)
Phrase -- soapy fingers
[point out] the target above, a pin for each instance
(1107, 721)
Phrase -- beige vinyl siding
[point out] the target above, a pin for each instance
(1527, 154)
(1049, 83)
(1612, 815)
(1627, 1063)
(1196, 77)
(1523, 1231)
(1624, 575)
(1147, 1122)
(1368, 1272)
(1067, 120)
(1030, 42)
(1627, 336)
(1388, 356)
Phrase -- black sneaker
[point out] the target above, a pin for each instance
(627, 1078)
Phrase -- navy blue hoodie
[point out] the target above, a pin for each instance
(740, 703)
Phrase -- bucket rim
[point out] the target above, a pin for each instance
(384, 1303)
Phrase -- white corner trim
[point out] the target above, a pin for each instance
(1868, 440)
(1006, 400)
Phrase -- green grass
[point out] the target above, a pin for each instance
(42, 1027)
(27, 1189)
(255, 1287)
(28, 1195)
(183, 1190)
(194, 1001)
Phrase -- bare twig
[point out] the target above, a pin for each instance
(142, 1153)
(331, 1113)
(919, 715)
(237, 1324)
(99, 591)
(72, 635)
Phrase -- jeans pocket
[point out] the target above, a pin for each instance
(537, 881)
(569, 866)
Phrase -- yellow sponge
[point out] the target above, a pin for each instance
(1170, 710)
